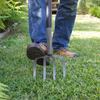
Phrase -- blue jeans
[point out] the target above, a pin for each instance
(64, 22)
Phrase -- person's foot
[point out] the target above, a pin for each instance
(66, 52)
(35, 50)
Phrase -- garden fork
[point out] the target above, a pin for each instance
(49, 45)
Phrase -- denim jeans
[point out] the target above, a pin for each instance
(64, 22)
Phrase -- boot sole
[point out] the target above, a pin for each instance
(35, 51)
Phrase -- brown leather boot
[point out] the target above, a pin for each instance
(66, 52)
(35, 50)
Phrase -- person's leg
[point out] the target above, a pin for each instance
(37, 30)
(37, 21)
(64, 23)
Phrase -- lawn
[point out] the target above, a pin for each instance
(82, 81)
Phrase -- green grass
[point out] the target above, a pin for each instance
(82, 81)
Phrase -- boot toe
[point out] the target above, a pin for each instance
(76, 55)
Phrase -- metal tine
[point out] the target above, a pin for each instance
(34, 74)
(44, 67)
(64, 69)
(54, 68)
